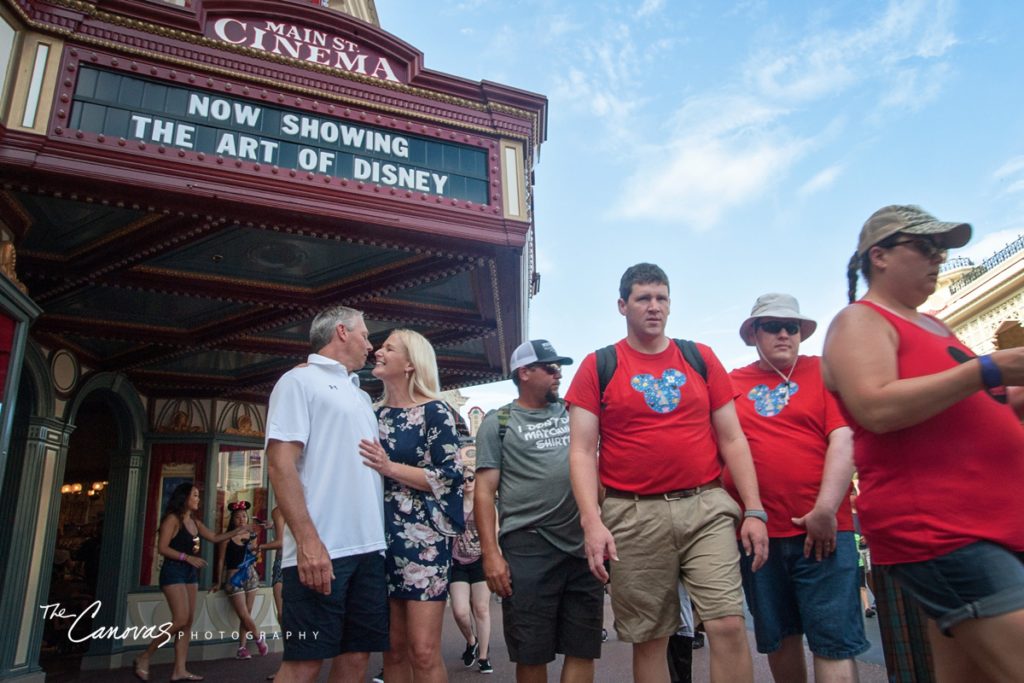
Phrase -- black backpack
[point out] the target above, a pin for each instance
(607, 361)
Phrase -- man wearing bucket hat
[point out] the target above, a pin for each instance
(551, 603)
(803, 453)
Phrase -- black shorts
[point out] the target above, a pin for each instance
(353, 618)
(557, 605)
(467, 573)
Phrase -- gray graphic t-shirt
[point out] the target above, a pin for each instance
(534, 492)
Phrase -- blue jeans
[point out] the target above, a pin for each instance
(979, 580)
(793, 595)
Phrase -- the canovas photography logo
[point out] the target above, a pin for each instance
(80, 629)
(81, 623)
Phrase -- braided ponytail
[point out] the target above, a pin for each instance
(851, 276)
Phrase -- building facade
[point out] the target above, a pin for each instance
(183, 185)
(984, 303)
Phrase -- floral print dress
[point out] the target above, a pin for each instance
(421, 525)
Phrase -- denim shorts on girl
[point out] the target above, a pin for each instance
(173, 571)
(980, 580)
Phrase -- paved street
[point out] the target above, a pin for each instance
(614, 666)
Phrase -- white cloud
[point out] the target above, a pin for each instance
(1011, 167)
(1015, 187)
(649, 7)
(726, 150)
(703, 177)
(821, 180)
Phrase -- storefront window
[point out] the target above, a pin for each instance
(241, 475)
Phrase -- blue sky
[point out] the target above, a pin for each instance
(738, 145)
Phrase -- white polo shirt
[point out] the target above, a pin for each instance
(322, 406)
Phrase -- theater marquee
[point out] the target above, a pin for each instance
(124, 106)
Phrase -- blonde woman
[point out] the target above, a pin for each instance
(423, 501)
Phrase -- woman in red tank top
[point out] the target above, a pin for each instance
(938, 446)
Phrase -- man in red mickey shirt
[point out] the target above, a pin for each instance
(665, 427)
(803, 453)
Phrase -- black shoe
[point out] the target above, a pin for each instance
(379, 678)
(870, 612)
(469, 656)
(604, 635)
(485, 667)
(698, 640)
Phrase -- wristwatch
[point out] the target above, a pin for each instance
(756, 514)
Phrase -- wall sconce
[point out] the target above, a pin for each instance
(66, 488)
(90, 492)
(97, 486)
(76, 488)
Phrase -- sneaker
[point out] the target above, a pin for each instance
(379, 678)
(869, 612)
(604, 635)
(485, 667)
(243, 653)
(698, 640)
(469, 656)
(261, 645)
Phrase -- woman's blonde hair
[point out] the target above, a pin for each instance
(423, 382)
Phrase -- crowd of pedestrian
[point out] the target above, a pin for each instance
(685, 490)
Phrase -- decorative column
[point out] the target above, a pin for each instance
(119, 559)
(34, 472)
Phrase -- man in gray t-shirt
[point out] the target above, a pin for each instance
(551, 602)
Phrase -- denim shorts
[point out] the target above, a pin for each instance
(353, 618)
(173, 571)
(980, 580)
(793, 595)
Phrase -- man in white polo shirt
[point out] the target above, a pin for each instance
(335, 596)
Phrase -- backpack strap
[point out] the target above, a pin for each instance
(504, 413)
(607, 361)
(692, 356)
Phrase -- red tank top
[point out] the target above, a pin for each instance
(948, 481)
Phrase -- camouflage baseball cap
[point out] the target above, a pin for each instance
(912, 220)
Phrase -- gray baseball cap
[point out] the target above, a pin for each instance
(912, 220)
(536, 351)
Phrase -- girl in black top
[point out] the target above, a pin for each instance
(178, 543)
(241, 590)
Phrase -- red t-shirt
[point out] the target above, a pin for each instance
(788, 441)
(656, 433)
(944, 483)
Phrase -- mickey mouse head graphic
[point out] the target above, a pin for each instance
(770, 402)
(662, 395)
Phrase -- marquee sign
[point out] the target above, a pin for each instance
(308, 44)
(133, 108)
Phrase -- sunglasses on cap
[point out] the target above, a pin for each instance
(550, 368)
(922, 244)
(776, 326)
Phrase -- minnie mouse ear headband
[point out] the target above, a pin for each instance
(239, 505)
(776, 306)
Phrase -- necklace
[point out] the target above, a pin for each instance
(785, 378)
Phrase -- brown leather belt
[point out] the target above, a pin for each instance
(668, 495)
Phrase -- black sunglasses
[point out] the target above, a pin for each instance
(550, 368)
(924, 245)
(775, 326)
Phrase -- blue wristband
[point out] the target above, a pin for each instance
(991, 375)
